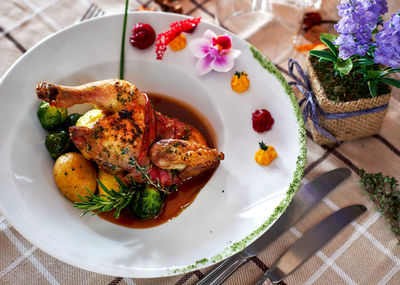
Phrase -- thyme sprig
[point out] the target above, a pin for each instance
(114, 200)
(145, 174)
(384, 192)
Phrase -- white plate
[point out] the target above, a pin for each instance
(239, 202)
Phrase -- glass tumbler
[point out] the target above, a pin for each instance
(272, 26)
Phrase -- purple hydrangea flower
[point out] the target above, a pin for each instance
(358, 19)
(388, 43)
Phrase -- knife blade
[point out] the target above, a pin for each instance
(304, 200)
(310, 242)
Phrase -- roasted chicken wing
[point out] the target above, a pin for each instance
(188, 157)
(133, 133)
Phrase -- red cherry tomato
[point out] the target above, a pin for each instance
(142, 36)
(262, 120)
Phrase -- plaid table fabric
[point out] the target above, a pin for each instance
(364, 253)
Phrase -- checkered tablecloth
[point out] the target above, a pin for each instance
(364, 253)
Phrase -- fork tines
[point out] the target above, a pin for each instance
(92, 12)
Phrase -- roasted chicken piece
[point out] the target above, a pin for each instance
(133, 134)
(190, 158)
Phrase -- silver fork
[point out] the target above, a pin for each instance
(92, 12)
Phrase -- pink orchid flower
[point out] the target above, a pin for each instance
(214, 53)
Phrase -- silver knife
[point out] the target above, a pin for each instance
(310, 242)
(304, 200)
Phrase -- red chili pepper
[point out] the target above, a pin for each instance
(176, 28)
(262, 120)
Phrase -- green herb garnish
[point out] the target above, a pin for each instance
(238, 74)
(146, 176)
(112, 201)
(384, 192)
(145, 173)
(263, 145)
(122, 58)
(118, 200)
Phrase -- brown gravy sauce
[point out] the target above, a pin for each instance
(175, 203)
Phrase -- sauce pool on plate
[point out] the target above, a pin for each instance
(175, 203)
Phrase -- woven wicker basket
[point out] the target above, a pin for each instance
(349, 128)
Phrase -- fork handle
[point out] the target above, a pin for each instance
(220, 273)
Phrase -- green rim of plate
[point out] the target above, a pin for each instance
(293, 187)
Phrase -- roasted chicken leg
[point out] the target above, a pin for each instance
(133, 133)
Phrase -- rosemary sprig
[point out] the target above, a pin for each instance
(118, 200)
(384, 192)
(104, 203)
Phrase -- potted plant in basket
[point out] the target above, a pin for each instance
(350, 79)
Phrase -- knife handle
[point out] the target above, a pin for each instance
(224, 270)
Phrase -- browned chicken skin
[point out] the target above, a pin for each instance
(132, 129)
(188, 157)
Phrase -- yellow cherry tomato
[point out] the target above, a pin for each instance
(179, 43)
(240, 82)
(266, 154)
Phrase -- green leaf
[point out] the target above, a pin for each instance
(372, 74)
(391, 81)
(344, 66)
(331, 46)
(374, 31)
(323, 59)
(362, 71)
(389, 70)
(372, 86)
(364, 62)
(328, 36)
(324, 54)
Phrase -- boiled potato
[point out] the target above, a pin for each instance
(88, 120)
(72, 174)
(108, 180)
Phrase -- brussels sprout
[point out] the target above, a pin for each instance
(57, 143)
(51, 117)
(70, 122)
(148, 203)
(72, 119)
